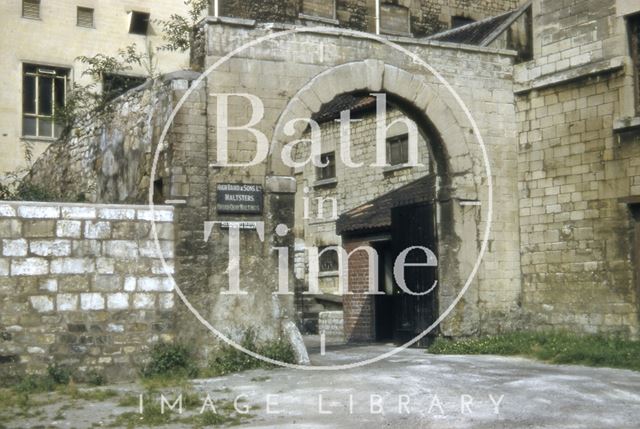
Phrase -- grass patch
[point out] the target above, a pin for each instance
(552, 347)
(229, 360)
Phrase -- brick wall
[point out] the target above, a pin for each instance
(358, 307)
(82, 285)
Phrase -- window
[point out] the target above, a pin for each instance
(328, 172)
(328, 259)
(43, 92)
(398, 150)
(114, 85)
(459, 21)
(634, 43)
(85, 17)
(139, 23)
(319, 8)
(31, 9)
(395, 19)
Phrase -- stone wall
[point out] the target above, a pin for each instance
(331, 324)
(353, 186)
(578, 168)
(107, 159)
(426, 16)
(83, 286)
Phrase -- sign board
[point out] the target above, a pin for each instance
(239, 198)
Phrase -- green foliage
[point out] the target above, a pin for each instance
(229, 359)
(56, 376)
(553, 347)
(179, 31)
(94, 378)
(170, 360)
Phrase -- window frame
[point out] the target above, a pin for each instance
(43, 71)
(334, 17)
(39, 17)
(334, 256)
(321, 172)
(85, 9)
(133, 14)
(633, 31)
(400, 139)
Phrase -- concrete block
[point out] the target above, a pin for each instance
(167, 301)
(15, 247)
(50, 247)
(39, 212)
(91, 301)
(49, 285)
(106, 283)
(130, 284)
(67, 302)
(29, 267)
(97, 230)
(122, 249)
(144, 301)
(105, 266)
(41, 304)
(118, 301)
(155, 284)
(78, 212)
(10, 228)
(72, 266)
(159, 215)
(116, 214)
(7, 211)
(68, 229)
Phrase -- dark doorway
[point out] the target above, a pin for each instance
(384, 304)
(411, 226)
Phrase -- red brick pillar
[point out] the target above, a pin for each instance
(358, 306)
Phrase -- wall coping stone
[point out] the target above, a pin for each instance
(340, 32)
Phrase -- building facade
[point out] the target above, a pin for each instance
(559, 118)
(41, 40)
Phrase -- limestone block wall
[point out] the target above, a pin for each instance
(331, 324)
(577, 172)
(354, 186)
(426, 16)
(82, 286)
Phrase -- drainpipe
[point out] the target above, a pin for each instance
(216, 8)
(377, 17)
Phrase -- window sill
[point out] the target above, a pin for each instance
(394, 168)
(31, 19)
(39, 139)
(325, 274)
(325, 183)
(320, 19)
(626, 124)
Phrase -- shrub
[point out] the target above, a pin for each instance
(229, 359)
(170, 359)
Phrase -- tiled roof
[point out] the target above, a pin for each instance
(354, 103)
(376, 214)
(481, 33)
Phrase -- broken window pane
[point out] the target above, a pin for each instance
(44, 91)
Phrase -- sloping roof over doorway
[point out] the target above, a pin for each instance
(376, 214)
(482, 33)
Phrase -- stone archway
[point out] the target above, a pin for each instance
(452, 146)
